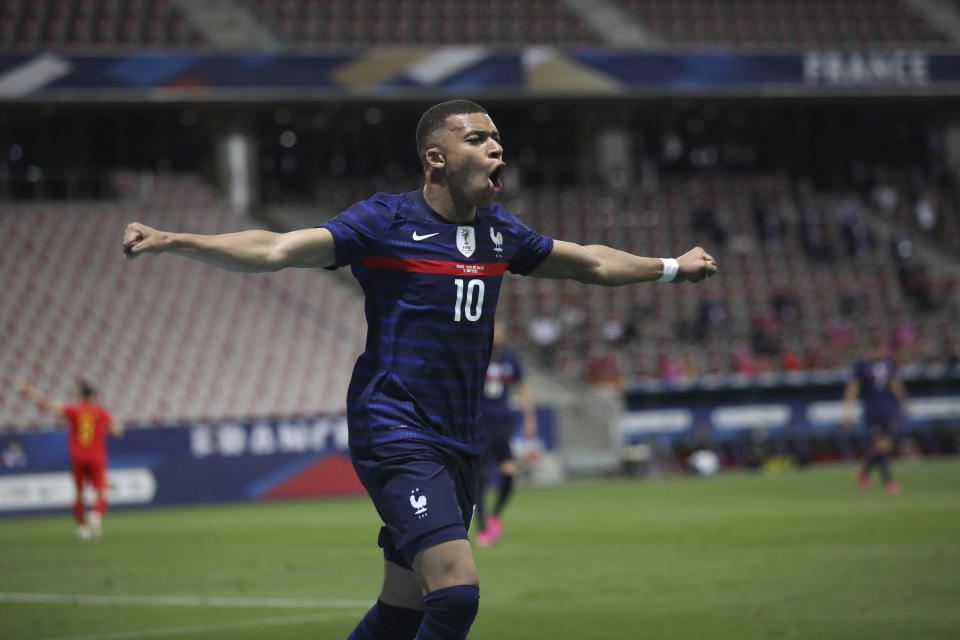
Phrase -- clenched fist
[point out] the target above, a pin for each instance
(138, 238)
(695, 265)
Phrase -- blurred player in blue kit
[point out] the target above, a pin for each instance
(430, 263)
(504, 375)
(876, 384)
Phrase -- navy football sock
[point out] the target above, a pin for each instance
(871, 462)
(386, 622)
(506, 488)
(450, 612)
(883, 463)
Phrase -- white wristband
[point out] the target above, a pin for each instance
(670, 268)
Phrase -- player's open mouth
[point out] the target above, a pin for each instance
(496, 179)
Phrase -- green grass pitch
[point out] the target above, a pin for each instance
(800, 554)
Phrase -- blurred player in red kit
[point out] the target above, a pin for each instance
(89, 424)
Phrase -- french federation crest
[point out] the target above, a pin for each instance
(466, 240)
(497, 238)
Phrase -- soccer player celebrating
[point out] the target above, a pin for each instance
(876, 384)
(430, 263)
(504, 374)
(89, 424)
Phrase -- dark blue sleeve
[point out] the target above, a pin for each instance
(358, 230)
(532, 249)
(858, 373)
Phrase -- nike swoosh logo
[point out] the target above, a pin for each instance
(418, 237)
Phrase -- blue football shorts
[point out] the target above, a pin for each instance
(878, 426)
(498, 447)
(425, 494)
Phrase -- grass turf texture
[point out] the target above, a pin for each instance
(795, 555)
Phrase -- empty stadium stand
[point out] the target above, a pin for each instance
(94, 24)
(780, 24)
(339, 23)
(806, 296)
(164, 339)
(330, 24)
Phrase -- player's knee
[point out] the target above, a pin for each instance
(452, 610)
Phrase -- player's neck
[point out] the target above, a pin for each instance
(441, 200)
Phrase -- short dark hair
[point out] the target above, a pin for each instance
(436, 116)
(86, 389)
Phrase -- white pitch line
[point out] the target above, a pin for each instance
(203, 628)
(185, 601)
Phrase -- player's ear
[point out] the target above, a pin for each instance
(435, 158)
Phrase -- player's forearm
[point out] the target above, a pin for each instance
(900, 390)
(44, 401)
(613, 268)
(249, 251)
(850, 393)
(525, 397)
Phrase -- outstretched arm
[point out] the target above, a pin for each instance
(525, 396)
(900, 390)
(115, 428)
(43, 400)
(850, 393)
(599, 264)
(251, 251)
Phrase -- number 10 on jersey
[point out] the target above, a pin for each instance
(472, 306)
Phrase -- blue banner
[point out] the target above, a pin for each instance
(415, 73)
(197, 462)
(176, 464)
(814, 414)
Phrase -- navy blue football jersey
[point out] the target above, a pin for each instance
(503, 372)
(431, 289)
(879, 401)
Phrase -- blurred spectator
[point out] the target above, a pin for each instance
(743, 360)
(850, 302)
(791, 360)
(613, 329)
(884, 194)
(812, 230)
(816, 353)
(710, 314)
(925, 213)
(904, 333)
(785, 305)
(840, 333)
(766, 334)
(856, 233)
(633, 327)
(767, 222)
(918, 285)
(603, 368)
(677, 368)
(704, 221)
(544, 331)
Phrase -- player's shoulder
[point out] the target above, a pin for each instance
(393, 206)
(498, 212)
(499, 217)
